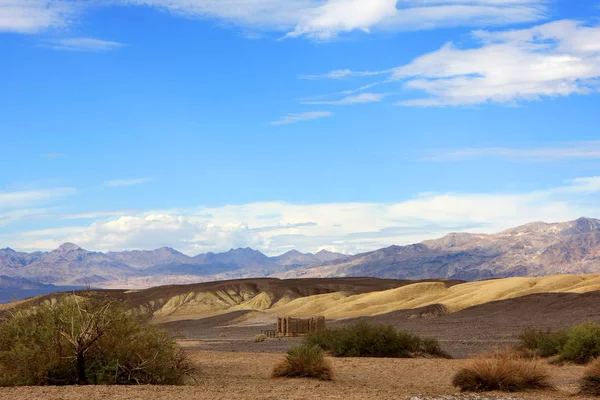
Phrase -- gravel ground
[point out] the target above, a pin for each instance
(229, 375)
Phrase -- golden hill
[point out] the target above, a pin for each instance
(335, 298)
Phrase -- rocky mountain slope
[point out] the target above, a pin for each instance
(533, 249)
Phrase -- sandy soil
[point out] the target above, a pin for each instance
(225, 375)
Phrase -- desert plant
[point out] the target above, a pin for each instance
(366, 340)
(583, 343)
(590, 383)
(81, 340)
(502, 370)
(260, 338)
(305, 361)
(539, 343)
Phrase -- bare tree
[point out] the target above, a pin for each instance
(85, 327)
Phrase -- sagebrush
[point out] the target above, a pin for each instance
(579, 344)
(260, 338)
(305, 361)
(366, 340)
(502, 370)
(81, 340)
(542, 343)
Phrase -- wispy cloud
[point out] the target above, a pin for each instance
(349, 100)
(84, 44)
(314, 19)
(342, 73)
(274, 227)
(26, 198)
(126, 182)
(326, 19)
(557, 59)
(306, 116)
(563, 151)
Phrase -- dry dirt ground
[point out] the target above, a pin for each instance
(226, 375)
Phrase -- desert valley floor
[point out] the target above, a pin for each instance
(243, 375)
(216, 322)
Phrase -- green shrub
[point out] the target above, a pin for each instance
(304, 361)
(542, 343)
(502, 371)
(583, 343)
(81, 341)
(365, 340)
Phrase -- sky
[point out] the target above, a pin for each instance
(345, 125)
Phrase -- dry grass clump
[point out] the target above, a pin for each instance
(590, 383)
(260, 338)
(304, 361)
(504, 371)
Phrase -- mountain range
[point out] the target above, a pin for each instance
(534, 249)
(71, 265)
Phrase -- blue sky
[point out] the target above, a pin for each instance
(347, 125)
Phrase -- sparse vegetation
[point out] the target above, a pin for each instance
(590, 383)
(580, 344)
(260, 338)
(366, 340)
(502, 370)
(80, 340)
(305, 361)
(539, 343)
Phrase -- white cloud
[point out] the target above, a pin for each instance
(563, 151)
(84, 44)
(349, 100)
(306, 116)
(275, 227)
(33, 16)
(325, 19)
(556, 59)
(26, 198)
(551, 60)
(126, 182)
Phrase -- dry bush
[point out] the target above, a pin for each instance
(81, 340)
(260, 338)
(590, 383)
(504, 371)
(304, 361)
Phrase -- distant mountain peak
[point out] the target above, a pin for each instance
(66, 247)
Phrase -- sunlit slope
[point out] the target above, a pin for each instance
(455, 298)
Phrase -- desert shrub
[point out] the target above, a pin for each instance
(540, 343)
(82, 340)
(590, 383)
(504, 371)
(305, 361)
(365, 340)
(583, 343)
(260, 338)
